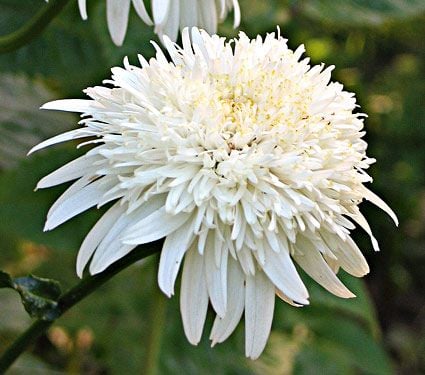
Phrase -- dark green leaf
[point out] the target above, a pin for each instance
(39, 296)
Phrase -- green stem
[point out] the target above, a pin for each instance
(156, 329)
(33, 28)
(72, 297)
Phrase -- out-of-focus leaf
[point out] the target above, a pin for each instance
(22, 123)
(362, 12)
(38, 295)
(68, 56)
(70, 53)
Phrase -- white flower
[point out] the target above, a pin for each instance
(168, 15)
(243, 156)
(117, 12)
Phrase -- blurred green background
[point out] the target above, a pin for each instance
(378, 49)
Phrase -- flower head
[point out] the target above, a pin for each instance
(243, 156)
(168, 15)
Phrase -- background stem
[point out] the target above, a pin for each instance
(72, 297)
(34, 27)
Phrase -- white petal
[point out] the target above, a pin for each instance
(285, 298)
(175, 246)
(70, 105)
(71, 171)
(74, 188)
(207, 14)
(67, 136)
(139, 5)
(361, 220)
(171, 26)
(237, 14)
(160, 10)
(96, 235)
(223, 327)
(351, 258)
(259, 308)
(157, 225)
(117, 12)
(83, 9)
(189, 13)
(111, 248)
(216, 275)
(193, 296)
(281, 271)
(372, 197)
(312, 262)
(80, 201)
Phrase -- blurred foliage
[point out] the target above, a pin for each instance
(377, 47)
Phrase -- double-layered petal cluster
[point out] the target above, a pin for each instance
(243, 156)
(168, 15)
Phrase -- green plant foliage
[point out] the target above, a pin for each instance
(39, 296)
(71, 53)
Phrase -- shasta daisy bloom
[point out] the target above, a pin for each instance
(168, 15)
(117, 12)
(245, 158)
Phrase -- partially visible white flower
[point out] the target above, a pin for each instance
(117, 12)
(169, 15)
(243, 156)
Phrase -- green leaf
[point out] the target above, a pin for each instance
(39, 296)
(59, 53)
(362, 12)
(71, 53)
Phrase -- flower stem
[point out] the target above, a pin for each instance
(34, 27)
(157, 323)
(72, 297)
